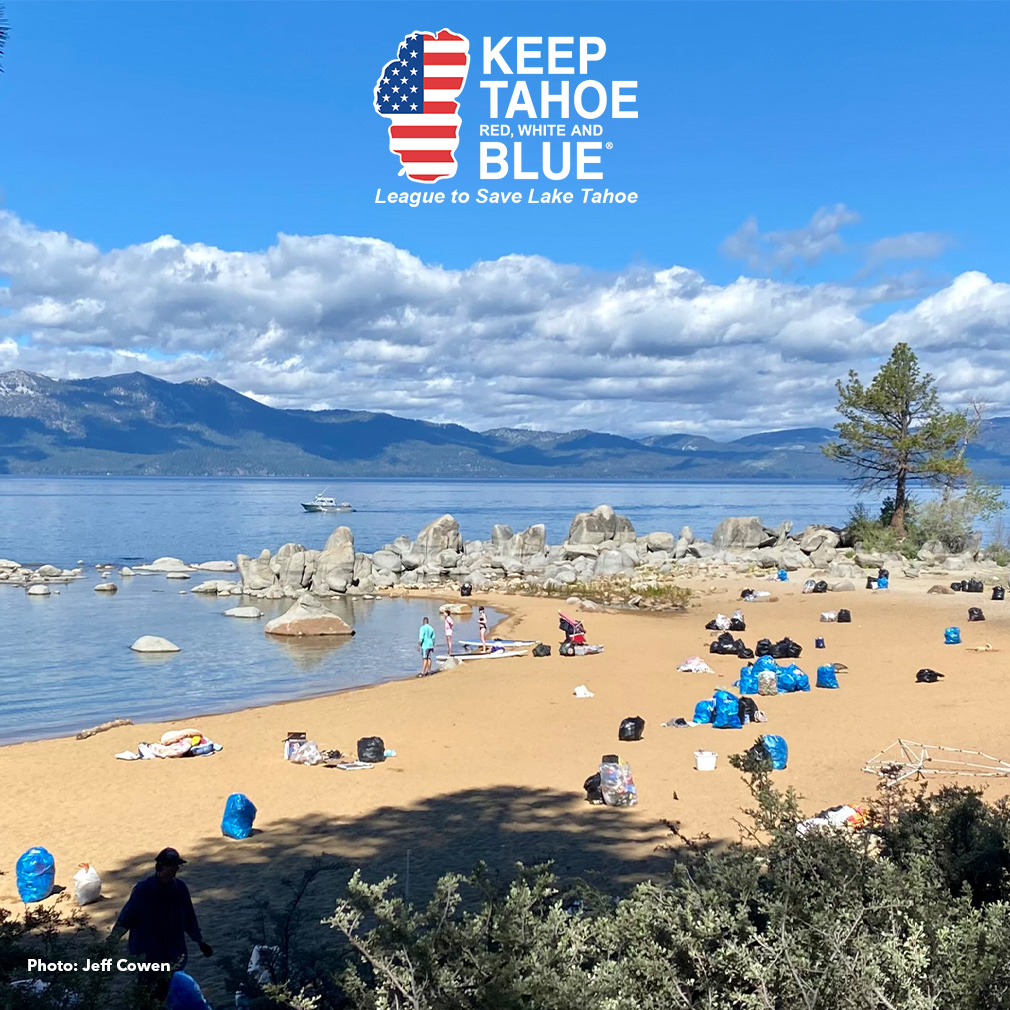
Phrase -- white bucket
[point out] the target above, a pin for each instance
(704, 760)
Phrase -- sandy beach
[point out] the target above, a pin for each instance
(491, 756)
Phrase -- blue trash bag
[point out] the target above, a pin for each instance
(778, 750)
(184, 994)
(239, 814)
(35, 873)
(882, 582)
(704, 711)
(802, 680)
(748, 682)
(952, 636)
(785, 681)
(763, 663)
(783, 575)
(727, 711)
(826, 676)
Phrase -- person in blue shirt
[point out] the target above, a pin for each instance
(158, 915)
(426, 646)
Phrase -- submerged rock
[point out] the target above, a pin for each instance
(308, 617)
(244, 612)
(152, 643)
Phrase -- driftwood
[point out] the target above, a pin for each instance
(85, 733)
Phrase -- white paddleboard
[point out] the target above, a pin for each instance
(506, 643)
(500, 654)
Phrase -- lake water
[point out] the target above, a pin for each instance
(67, 661)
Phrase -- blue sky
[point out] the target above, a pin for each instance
(857, 147)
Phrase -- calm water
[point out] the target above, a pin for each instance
(67, 661)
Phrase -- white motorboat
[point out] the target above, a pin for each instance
(323, 504)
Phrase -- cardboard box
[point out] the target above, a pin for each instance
(292, 742)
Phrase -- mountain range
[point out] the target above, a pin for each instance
(136, 424)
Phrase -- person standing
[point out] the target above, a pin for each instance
(449, 623)
(482, 627)
(158, 915)
(426, 646)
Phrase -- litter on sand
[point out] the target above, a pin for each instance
(583, 692)
(908, 759)
(174, 743)
(695, 664)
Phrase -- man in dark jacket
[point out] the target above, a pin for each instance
(158, 916)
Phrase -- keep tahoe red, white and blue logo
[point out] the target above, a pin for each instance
(417, 93)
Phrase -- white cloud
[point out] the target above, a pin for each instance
(335, 321)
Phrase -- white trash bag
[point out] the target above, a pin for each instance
(87, 885)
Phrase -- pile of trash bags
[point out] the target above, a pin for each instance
(727, 645)
(785, 648)
(726, 711)
(723, 623)
(766, 677)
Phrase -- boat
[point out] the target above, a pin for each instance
(323, 504)
(499, 643)
(497, 654)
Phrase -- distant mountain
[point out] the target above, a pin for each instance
(137, 424)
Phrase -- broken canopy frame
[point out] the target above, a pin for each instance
(907, 758)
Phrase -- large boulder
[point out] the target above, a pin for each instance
(815, 537)
(659, 542)
(440, 535)
(288, 565)
(612, 563)
(500, 536)
(248, 612)
(823, 556)
(212, 586)
(216, 566)
(932, 551)
(333, 568)
(387, 561)
(166, 565)
(602, 524)
(739, 531)
(308, 617)
(256, 572)
(530, 542)
(153, 643)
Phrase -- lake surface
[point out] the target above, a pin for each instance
(67, 662)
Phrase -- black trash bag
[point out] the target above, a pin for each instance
(975, 614)
(541, 650)
(744, 593)
(631, 728)
(743, 652)
(871, 582)
(735, 624)
(964, 585)
(956, 586)
(998, 593)
(371, 749)
(610, 759)
(747, 709)
(788, 649)
(927, 676)
(712, 626)
(466, 589)
(820, 586)
(724, 645)
(974, 586)
(764, 648)
(757, 758)
(593, 788)
(844, 617)
(567, 649)
(883, 573)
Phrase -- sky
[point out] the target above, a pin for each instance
(191, 189)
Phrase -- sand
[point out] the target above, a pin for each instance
(491, 757)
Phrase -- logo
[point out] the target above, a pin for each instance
(417, 93)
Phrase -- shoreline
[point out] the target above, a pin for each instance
(491, 757)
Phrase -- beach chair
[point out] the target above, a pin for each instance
(575, 633)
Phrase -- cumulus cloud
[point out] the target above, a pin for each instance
(328, 321)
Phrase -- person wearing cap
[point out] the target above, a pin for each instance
(158, 915)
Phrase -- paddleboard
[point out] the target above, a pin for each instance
(506, 643)
(500, 654)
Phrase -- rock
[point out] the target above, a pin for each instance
(815, 537)
(8, 565)
(602, 524)
(244, 612)
(333, 567)
(686, 534)
(611, 563)
(288, 566)
(126, 571)
(212, 586)
(401, 545)
(659, 542)
(845, 586)
(869, 560)
(932, 550)
(256, 572)
(565, 575)
(955, 564)
(384, 578)
(781, 532)
(844, 570)
(152, 643)
(308, 617)
(681, 548)
(822, 556)
(739, 531)
(500, 536)
(573, 551)
(973, 543)
(940, 590)
(527, 544)
(178, 575)
(106, 587)
(216, 566)
(460, 609)
(440, 535)
(790, 557)
(39, 591)
(166, 565)
(50, 571)
(701, 549)
(387, 561)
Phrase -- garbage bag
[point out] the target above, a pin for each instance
(998, 593)
(883, 582)
(778, 750)
(844, 617)
(592, 786)
(783, 575)
(826, 676)
(35, 873)
(185, 994)
(952, 636)
(927, 676)
(617, 784)
(764, 663)
(747, 711)
(764, 647)
(704, 711)
(748, 682)
(768, 681)
(727, 711)
(541, 650)
(975, 614)
(631, 728)
(239, 814)
(371, 749)
(87, 885)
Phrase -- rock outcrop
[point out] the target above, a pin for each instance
(309, 616)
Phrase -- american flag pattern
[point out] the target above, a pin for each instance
(417, 93)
